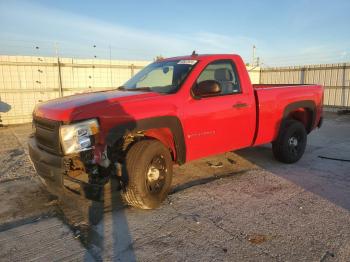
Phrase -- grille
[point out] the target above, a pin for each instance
(47, 135)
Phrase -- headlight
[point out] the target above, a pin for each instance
(78, 137)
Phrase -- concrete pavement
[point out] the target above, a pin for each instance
(241, 206)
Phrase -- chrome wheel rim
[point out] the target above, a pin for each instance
(294, 144)
(155, 174)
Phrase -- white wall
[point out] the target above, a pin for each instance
(26, 81)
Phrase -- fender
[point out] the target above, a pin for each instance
(308, 104)
(171, 122)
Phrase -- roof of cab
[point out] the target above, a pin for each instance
(201, 57)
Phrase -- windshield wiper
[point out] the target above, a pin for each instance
(146, 88)
(123, 88)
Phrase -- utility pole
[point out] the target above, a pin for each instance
(60, 89)
(93, 69)
(253, 55)
(258, 61)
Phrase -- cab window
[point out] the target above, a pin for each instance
(224, 72)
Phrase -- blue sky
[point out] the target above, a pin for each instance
(284, 32)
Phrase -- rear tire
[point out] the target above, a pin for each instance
(149, 169)
(290, 144)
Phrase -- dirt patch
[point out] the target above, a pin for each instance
(8, 140)
(23, 199)
(257, 239)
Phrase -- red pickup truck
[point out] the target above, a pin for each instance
(173, 111)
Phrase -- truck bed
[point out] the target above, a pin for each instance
(272, 101)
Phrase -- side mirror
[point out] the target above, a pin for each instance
(207, 88)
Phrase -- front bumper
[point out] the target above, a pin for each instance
(48, 166)
(53, 170)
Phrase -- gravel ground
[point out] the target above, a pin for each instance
(14, 161)
(241, 206)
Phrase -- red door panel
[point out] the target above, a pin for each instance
(218, 124)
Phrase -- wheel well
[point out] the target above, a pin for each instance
(303, 115)
(164, 135)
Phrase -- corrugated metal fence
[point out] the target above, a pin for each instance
(25, 81)
(28, 80)
(334, 77)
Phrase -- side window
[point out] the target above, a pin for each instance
(225, 73)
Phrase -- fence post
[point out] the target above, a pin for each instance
(303, 75)
(60, 89)
(260, 72)
(343, 103)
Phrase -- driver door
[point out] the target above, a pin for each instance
(221, 122)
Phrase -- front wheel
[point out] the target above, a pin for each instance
(148, 165)
(290, 144)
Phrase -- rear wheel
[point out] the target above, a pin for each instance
(290, 144)
(148, 166)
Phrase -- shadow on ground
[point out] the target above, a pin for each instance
(327, 178)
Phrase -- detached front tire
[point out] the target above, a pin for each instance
(290, 144)
(149, 169)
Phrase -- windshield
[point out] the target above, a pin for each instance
(162, 76)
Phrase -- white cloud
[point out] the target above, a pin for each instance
(76, 34)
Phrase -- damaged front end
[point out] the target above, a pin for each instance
(82, 175)
(72, 156)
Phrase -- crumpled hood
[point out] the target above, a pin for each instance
(69, 108)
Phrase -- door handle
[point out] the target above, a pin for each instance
(240, 105)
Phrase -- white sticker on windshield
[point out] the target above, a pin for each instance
(187, 62)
